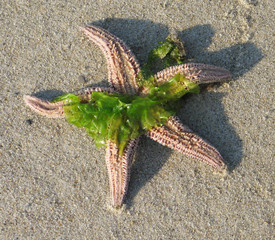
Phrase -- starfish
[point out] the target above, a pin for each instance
(124, 78)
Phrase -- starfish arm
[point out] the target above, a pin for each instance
(122, 64)
(55, 110)
(45, 108)
(85, 94)
(195, 72)
(179, 137)
(119, 170)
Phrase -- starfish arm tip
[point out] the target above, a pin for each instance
(83, 28)
(116, 209)
(119, 170)
(196, 72)
(43, 107)
(179, 137)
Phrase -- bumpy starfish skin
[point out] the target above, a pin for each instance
(122, 64)
(123, 70)
(45, 108)
(179, 137)
(119, 169)
(195, 72)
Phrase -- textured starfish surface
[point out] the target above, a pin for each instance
(123, 77)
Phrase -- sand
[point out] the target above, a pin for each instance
(53, 179)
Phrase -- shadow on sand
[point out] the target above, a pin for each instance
(142, 36)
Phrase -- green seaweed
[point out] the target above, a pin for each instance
(168, 53)
(121, 117)
(173, 89)
(115, 117)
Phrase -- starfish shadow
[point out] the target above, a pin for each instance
(48, 94)
(238, 59)
(210, 121)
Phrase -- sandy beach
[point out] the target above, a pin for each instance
(53, 179)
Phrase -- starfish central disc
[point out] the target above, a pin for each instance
(121, 117)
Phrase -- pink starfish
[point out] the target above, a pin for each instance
(123, 69)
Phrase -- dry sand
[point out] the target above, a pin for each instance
(53, 179)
